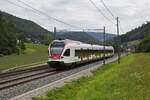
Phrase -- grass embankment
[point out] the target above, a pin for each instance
(129, 80)
(33, 53)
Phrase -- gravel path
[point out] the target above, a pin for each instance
(18, 90)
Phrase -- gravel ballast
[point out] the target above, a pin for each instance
(33, 87)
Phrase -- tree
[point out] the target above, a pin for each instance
(29, 28)
(144, 45)
(22, 45)
(21, 37)
(7, 37)
(47, 39)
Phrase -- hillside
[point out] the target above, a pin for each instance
(96, 35)
(137, 33)
(29, 28)
(80, 36)
(36, 32)
(100, 35)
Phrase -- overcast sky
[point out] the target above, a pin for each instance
(81, 13)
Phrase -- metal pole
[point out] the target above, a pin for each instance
(54, 33)
(118, 41)
(104, 47)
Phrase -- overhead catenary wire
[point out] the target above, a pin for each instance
(56, 19)
(121, 29)
(100, 11)
(102, 1)
(23, 7)
(36, 11)
(26, 8)
(41, 13)
(20, 6)
(15, 4)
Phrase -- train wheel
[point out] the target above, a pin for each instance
(73, 65)
(48, 64)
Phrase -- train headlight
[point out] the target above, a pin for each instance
(49, 57)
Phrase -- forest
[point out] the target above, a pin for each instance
(8, 39)
(29, 28)
(137, 33)
(144, 45)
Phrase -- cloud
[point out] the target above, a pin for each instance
(82, 13)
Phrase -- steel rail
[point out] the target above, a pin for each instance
(22, 71)
(22, 80)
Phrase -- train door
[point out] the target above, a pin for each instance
(67, 55)
(72, 54)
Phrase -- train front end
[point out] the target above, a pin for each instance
(56, 58)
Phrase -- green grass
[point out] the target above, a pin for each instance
(33, 53)
(135, 42)
(129, 80)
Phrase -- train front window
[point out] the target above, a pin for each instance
(57, 47)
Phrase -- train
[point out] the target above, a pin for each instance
(63, 54)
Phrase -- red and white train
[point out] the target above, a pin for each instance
(66, 53)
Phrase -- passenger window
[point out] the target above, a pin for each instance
(67, 52)
(78, 53)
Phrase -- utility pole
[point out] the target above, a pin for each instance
(104, 46)
(118, 41)
(54, 33)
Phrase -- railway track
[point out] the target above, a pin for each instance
(22, 80)
(18, 77)
(22, 71)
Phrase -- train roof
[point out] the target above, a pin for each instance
(78, 45)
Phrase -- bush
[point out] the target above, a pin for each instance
(1, 55)
(144, 45)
